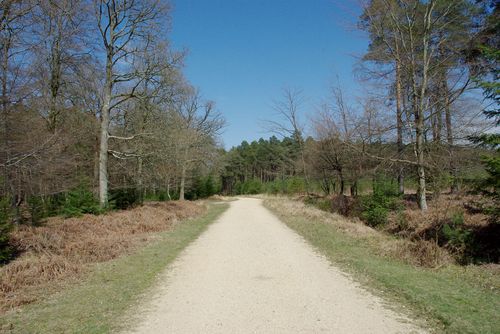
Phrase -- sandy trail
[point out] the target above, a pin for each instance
(249, 273)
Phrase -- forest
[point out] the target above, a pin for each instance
(418, 155)
(96, 114)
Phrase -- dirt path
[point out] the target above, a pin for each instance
(249, 273)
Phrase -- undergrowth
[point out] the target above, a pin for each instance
(109, 289)
(63, 248)
(454, 299)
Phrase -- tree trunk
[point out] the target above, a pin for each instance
(354, 189)
(95, 184)
(439, 125)
(103, 147)
(168, 190)
(306, 178)
(421, 196)
(342, 183)
(449, 139)
(140, 182)
(55, 77)
(5, 111)
(419, 104)
(399, 125)
(183, 182)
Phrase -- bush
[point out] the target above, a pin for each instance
(276, 187)
(37, 209)
(53, 203)
(295, 185)
(123, 198)
(80, 201)
(374, 212)
(456, 236)
(344, 205)
(491, 185)
(157, 196)
(203, 187)
(249, 187)
(6, 251)
(385, 198)
(318, 202)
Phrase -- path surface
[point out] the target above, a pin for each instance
(249, 273)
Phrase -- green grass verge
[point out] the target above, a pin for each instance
(96, 304)
(453, 299)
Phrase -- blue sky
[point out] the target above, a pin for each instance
(243, 52)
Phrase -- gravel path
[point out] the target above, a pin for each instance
(249, 273)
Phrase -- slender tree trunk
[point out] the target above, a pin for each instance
(420, 82)
(55, 77)
(306, 178)
(354, 189)
(183, 182)
(95, 184)
(399, 125)
(439, 125)
(449, 139)
(103, 147)
(5, 111)
(8, 177)
(419, 148)
(342, 182)
(140, 182)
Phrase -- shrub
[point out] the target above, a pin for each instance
(344, 205)
(203, 187)
(253, 187)
(374, 211)
(274, 187)
(6, 250)
(249, 187)
(457, 237)
(162, 196)
(122, 198)
(386, 197)
(295, 185)
(79, 201)
(37, 209)
(323, 204)
(53, 204)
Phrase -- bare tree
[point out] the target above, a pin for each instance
(128, 28)
(195, 125)
(61, 45)
(287, 110)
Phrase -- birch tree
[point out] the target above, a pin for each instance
(416, 37)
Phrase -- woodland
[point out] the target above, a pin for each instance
(96, 115)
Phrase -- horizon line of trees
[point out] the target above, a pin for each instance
(421, 116)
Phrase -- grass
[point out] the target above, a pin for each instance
(452, 299)
(112, 288)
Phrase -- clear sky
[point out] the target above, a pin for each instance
(243, 52)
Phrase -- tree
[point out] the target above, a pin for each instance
(14, 22)
(128, 30)
(424, 41)
(489, 82)
(287, 109)
(61, 44)
(195, 125)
